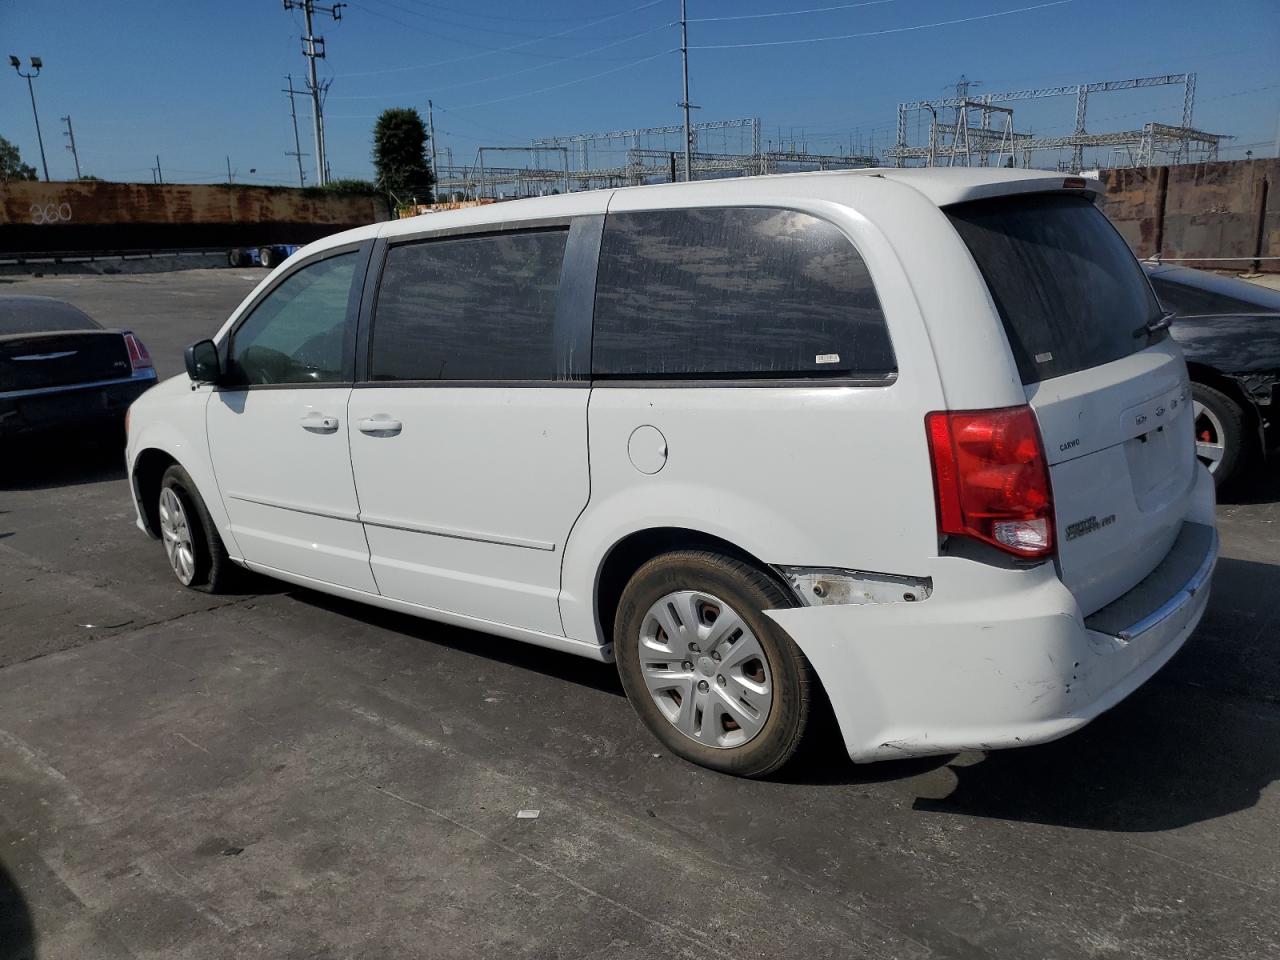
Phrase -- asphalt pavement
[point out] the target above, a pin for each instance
(282, 774)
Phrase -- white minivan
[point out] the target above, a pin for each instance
(911, 443)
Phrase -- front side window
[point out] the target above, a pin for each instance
(470, 308)
(297, 333)
(734, 292)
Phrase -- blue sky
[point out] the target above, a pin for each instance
(195, 81)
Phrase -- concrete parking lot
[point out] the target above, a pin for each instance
(280, 774)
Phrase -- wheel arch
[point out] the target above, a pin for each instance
(1231, 387)
(631, 552)
(148, 470)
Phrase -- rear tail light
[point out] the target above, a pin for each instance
(139, 359)
(991, 478)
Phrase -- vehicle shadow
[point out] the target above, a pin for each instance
(1198, 742)
(17, 930)
(551, 663)
(1259, 485)
(64, 461)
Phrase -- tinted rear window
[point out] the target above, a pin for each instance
(28, 315)
(734, 292)
(472, 308)
(1069, 291)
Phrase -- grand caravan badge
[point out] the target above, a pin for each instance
(1088, 525)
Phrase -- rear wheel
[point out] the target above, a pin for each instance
(266, 256)
(712, 677)
(191, 542)
(1220, 432)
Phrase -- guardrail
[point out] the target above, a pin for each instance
(86, 256)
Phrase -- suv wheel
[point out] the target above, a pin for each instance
(712, 677)
(1220, 432)
(191, 542)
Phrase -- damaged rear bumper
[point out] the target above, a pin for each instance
(996, 658)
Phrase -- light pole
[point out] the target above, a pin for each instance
(36, 64)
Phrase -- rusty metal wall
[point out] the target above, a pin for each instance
(100, 216)
(1200, 213)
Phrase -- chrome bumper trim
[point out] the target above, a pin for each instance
(1175, 603)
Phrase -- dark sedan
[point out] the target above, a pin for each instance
(1229, 330)
(60, 369)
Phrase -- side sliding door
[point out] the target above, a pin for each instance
(469, 428)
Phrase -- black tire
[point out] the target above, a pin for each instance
(267, 257)
(214, 570)
(233, 258)
(1230, 423)
(749, 592)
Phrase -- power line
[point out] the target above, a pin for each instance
(502, 17)
(567, 83)
(510, 73)
(435, 20)
(878, 33)
(507, 49)
(436, 35)
(789, 13)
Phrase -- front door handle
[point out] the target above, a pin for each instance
(316, 422)
(380, 425)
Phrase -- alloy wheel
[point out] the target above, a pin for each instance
(1210, 442)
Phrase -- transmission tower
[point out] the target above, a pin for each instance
(313, 50)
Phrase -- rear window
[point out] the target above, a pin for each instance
(1069, 291)
(31, 315)
(734, 292)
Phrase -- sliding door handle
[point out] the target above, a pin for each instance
(380, 425)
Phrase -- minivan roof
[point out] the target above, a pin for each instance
(940, 185)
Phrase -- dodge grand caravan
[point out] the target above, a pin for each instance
(913, 441)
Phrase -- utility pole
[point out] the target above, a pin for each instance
(230, 176)
(157, 172)
(313, 50)
(297, 144)
(36, 64)
(71, 135)
(684, 60)
(431, 132)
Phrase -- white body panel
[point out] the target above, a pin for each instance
(284, 470)
(467, 509)
(497, 507)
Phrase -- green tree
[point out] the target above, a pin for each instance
(400, 154)
(11, 165)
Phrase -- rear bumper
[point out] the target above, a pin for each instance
(996, 658)
(78, 404)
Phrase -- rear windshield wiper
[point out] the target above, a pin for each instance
(1152, 327)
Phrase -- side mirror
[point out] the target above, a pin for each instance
(203, 364)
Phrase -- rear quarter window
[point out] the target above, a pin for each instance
(1070, 294)
(739, 292)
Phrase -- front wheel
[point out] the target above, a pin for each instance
(267, 257)
(191, 542)
(711, 676)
